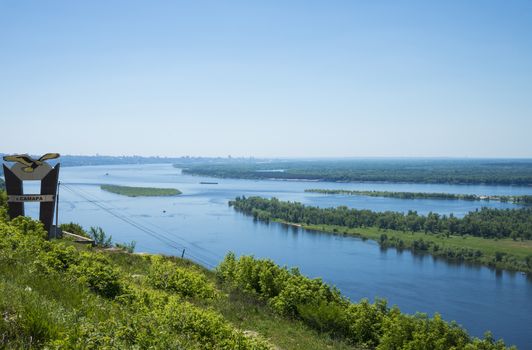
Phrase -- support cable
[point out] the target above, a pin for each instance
(171, 234)
(152, 233)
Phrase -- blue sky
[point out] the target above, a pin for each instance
(267, 78)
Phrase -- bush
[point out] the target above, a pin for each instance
(323, 308)
(166, 275)
(55, 296)
(95, 271)
(75, 229)
(208, 328)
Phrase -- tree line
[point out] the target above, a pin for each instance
(523, 199)
(485, 222)
(453, 171)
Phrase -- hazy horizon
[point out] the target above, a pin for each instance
(310, 158)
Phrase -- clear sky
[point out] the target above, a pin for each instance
(267, 78)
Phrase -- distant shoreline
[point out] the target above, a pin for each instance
(518, 199)
(490, 172)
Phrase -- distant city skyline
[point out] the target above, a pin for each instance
(271, 79)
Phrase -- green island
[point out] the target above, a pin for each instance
(59, 294)
(140, 191)
(448, 171)
(499, 238)
(525, 199)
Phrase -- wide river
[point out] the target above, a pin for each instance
(200, 221)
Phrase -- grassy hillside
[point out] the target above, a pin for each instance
(61, 295)
(56, 294)
(140, 191)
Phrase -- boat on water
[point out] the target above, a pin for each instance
(208, 183)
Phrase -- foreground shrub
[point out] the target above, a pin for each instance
(323, 308)
(166, 275)
(95, 271)
(208, 328)
(57, 297)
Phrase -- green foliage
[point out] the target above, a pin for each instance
(127, 247)
(206, 327)
(140, 191)
(426, 195)
(57, 296)
(94, 271)
(75, 229)
(325, 309)
(3, 206)
(26, 318)
(100, 237)
(28, 227)
(488, 223)
(166, 275)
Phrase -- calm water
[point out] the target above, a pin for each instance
(200, 220)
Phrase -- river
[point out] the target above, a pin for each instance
(200, 220)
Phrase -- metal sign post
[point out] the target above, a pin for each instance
(29, 169)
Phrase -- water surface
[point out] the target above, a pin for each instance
(200, 221)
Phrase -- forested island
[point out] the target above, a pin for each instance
(448, 171)
(59, 294)
(500, 238)
(427, 195)
(140, 191)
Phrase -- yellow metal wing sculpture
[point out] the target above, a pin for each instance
(30, 163)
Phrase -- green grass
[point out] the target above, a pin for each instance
(248, 313)
(244, 311)
(49, 309)
(140, 191)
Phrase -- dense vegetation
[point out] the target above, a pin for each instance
(2, 184)
(426, 195)
(140, 191)
(59, 295)
(373, 326)
(452, 171)
(56, 295)
(433, 233)
(486, 222)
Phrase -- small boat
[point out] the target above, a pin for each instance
(208, 183)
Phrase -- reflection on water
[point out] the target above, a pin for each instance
(200, 220)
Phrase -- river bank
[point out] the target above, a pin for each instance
(502, 254)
